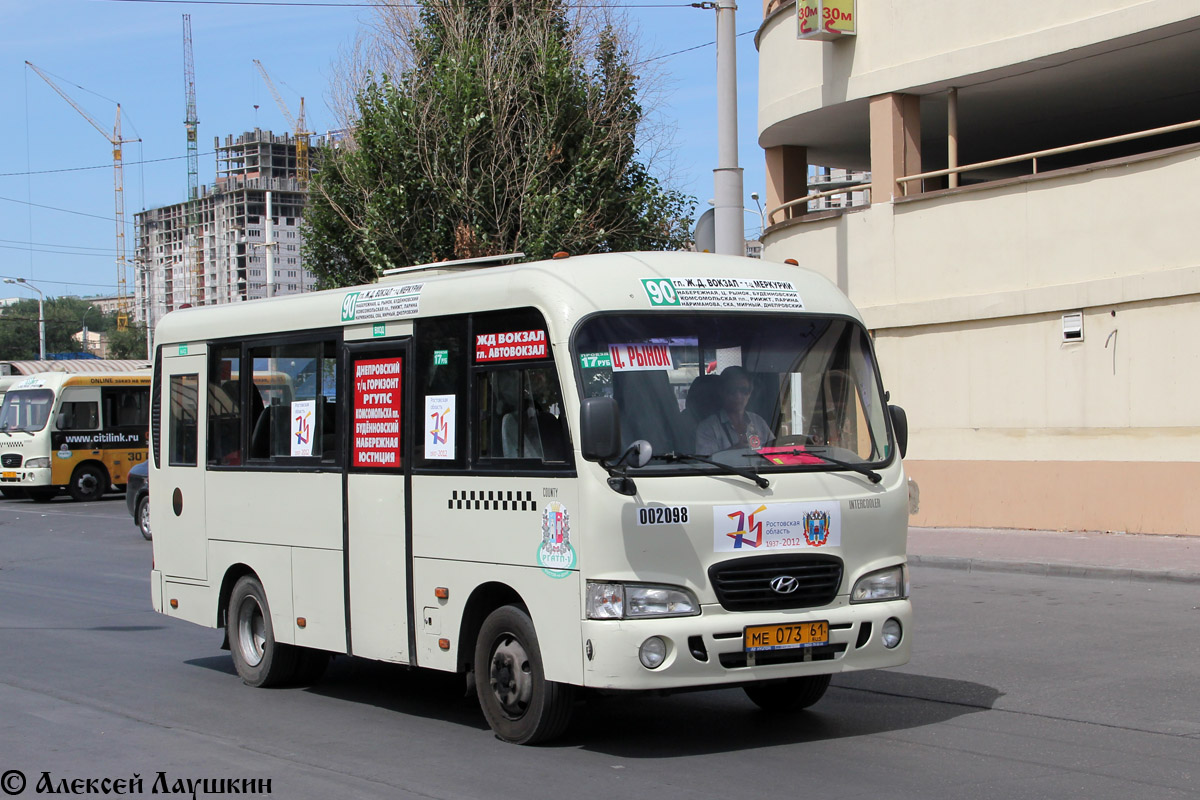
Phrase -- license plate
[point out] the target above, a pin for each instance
(11, 475)
(785, 637)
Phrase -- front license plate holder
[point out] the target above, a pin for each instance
(786, 636)
(12, 476)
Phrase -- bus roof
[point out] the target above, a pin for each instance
(565, 290)
(73, 365)
(57, 380)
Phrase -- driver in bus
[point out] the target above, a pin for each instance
(733, 426)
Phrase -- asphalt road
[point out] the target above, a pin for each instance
(1020, 686)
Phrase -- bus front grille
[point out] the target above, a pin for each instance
(10, 460)
(749, 584)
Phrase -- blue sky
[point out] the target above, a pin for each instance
(100, 51)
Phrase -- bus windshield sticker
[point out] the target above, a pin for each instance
(763, 528)
(555, 554)
(377, 413)
(303, 413)
(640, 357)
(595, 361)
(30, 383)
(510, 346)
(439, 428)
(381, 303)
(722, 293)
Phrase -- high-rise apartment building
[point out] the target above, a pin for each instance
(213, 249)
(1025, 253)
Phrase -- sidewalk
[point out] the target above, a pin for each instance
(1114, 556)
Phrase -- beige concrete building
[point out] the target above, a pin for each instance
(1029, 258)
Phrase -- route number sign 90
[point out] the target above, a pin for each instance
(660, 291)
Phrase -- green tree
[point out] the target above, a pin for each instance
(129, 343)
(507, 126)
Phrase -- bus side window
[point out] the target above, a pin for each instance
(297, 386)
(224, 406)
(182, 434)
(520, 416)
(126, 406)
(441, 358)
(80, 415)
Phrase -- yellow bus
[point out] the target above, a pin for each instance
(621, 472)
(82, 432)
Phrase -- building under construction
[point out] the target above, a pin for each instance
(216, 249)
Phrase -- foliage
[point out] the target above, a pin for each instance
(65, 317)
(509, 126)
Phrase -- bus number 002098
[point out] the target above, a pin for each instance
(662, 515)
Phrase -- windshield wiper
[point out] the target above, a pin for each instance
(859, 468)
(728, 469)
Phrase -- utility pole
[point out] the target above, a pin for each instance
(41, 313)
(727, 177)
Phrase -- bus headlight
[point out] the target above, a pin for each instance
(636, 601)
(38, 463)
(884, 584)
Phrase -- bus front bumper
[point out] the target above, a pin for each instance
(708, 650)
(25, 477)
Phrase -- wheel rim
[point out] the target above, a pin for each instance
(146, 520)
(252, 631)
(510, 676)
(88, 483)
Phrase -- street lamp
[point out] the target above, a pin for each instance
(41, 312)
(762, 220)
(86, 348)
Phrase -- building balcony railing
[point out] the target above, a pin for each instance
(788, 209)
(953, 172)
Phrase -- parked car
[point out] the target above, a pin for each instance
(137, 496)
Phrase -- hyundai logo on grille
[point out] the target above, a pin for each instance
(785, 584)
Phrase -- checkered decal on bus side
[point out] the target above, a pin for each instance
(491, 501)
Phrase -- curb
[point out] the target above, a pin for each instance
(1047, 569)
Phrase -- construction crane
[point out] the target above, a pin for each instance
(116, 140)
(297, 123)
(191, 123)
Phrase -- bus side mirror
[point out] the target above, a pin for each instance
(599, 428)
(900, 426)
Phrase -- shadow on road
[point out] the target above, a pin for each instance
(690, 723)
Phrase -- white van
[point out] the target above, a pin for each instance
(642, 471)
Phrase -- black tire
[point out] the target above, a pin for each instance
(13, 492)
(88, 482)
(310, 666)
(42, 494)
(520, 705)
(143, 518)
(259, 659)
(790, 694)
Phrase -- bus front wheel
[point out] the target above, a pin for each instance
(259, 659)
(790, 694)
(88, 482)
(520, 705)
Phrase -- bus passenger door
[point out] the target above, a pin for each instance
(180, 546)
(376, 538)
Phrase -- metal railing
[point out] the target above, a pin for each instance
(1053, 151)
(864, 187)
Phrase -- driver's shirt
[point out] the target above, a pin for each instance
(716, 433)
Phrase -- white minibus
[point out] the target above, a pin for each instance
(617, 472)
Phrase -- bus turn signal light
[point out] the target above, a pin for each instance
(301, 622)
(442, 593)
(444, 644)
(174, 603)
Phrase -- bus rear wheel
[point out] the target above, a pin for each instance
(88, 482)
(790, 694)
(259, 659)
(520, 705)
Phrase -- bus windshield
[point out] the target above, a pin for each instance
(769, 392)
(26, 410)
